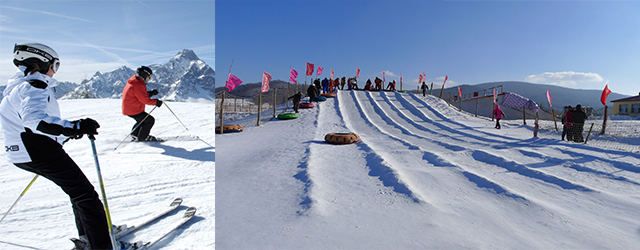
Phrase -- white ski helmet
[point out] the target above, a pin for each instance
(36, 53)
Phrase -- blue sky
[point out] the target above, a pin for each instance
(91, 36)
(576, 44)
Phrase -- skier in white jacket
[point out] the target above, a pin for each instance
(34, 134)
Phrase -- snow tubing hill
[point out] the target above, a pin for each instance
(321, 98)
(341, 138)
(233, 128)
(306, 105)
(328, 95)
(287, 116)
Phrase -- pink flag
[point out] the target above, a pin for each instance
(445, 80)
(232, 82)
(460, 92)
(320, 70)
(383, 80)
(401, 79)
(358, 73)
(420, 79)
(605, 93)
(494, 96)
(331, 74)
(549, 98)
(293, 76)
(310, 69)
(424, 77)
(266, 78)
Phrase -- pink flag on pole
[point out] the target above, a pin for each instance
(549, 98)
(310, 69)
(445, 80)
(320, 70)
(331, 74)
(383, 80)
(460, 92)
(494, 96)
(293, 76)
(424, 76)
(266, 78)
(232, 82)
(605, 93)
(420, 79)
(358, 73)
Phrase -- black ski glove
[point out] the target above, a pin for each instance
(88, 126)
(152, 92)
(158, 103)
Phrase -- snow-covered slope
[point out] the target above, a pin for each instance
(424, 177)
(139, 178)
(184, 78)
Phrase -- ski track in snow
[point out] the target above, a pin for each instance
(423, 168)
(139, 179)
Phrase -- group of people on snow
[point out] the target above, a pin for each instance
(573, 123)
(34, 133)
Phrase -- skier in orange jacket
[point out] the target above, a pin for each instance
(134, 98)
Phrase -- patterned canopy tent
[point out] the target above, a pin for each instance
(514, 100)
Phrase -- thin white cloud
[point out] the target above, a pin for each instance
(49, 13)
(565, 79)
(389, 73)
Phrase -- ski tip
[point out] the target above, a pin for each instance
(191, 211)
(176, 202)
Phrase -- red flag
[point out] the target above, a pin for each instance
(383, 80)
(310, 69)
(494, 96)
(232, 82)
(424, 77)
(445, 80)
(605, 93)
(420, 79)
(549, 98)
(358, 73)
(460, 92)
(320, 70)
(266, 78)
(331, 74)
(293, 76)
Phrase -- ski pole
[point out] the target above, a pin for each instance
(134, 128)
(19, 197)
(104, 194)
(174, 114)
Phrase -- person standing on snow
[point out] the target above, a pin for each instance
(312, 92)
(567, 123)
(498, 114)
(134, 98)
(34, 134)
(424, 88)
(325, 85)
(342, 82)
(579, 117)
(296, 101)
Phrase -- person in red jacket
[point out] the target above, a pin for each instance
(134, 98)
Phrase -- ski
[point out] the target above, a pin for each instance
(141, 245)
(124, 230)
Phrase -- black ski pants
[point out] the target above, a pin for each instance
(142, 131)
(89, 212)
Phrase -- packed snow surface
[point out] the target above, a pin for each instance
(139, 179)
(424, 176)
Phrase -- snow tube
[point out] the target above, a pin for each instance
(306, 105)
(328, 95)
(402, 91)
(321, 98)
(234, 128)
(341, 138)
(287, 116)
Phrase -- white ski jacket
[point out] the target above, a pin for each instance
(30, 107)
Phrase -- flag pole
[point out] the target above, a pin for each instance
(222, 102)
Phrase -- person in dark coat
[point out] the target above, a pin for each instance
(368, 85)
(424, 88)
(378, 82)
(579, 117)
(296, 101)
(342, 82)
(392, 86)
(317, 84)
(312, 92)
(325, 85)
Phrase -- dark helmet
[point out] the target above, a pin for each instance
(32, 54)
(144, 72)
